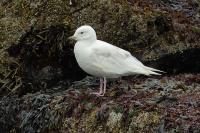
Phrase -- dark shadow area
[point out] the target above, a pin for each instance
(187, 61)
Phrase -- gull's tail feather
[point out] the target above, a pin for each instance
(152, 71)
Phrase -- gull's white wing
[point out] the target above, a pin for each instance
(113, 60)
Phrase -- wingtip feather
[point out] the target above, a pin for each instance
(153, 69)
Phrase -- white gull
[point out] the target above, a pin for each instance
(101, 59)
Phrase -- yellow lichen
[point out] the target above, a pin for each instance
(114, 121)
(145, 121)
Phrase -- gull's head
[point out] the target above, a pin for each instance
(84, 33)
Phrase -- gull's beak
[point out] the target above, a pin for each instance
(72, 38)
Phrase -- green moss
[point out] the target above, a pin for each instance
(134, 112)
(2, 9)
(119, 109)
(195, 29)
(182, 87)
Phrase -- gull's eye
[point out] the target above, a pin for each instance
(81, 32)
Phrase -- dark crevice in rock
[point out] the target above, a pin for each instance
(187, 61)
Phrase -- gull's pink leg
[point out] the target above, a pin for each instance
(100, 88)
(104, 86)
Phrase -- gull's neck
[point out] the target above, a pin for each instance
(88, 41)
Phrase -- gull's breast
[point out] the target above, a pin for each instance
(84, 59)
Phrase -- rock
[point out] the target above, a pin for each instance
(78, 111)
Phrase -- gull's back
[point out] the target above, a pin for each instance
(114, 61)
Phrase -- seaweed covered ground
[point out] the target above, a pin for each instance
(42, 88)
(137, 104)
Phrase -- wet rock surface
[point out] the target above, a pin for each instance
(42, 88)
